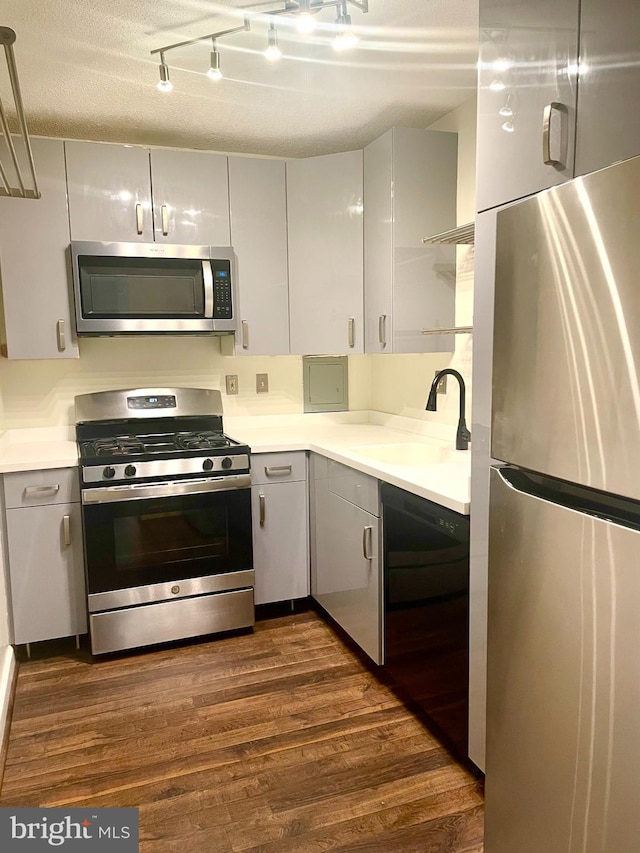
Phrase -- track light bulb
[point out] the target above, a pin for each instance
(306, 23)
(272, 52)
(214, 72)
(164, 84)
(346, 38)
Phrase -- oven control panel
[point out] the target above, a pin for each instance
(165, 401)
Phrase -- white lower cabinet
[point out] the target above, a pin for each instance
(280, 514)
(346, 554)
(44, 545)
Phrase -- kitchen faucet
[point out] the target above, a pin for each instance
(463, 436)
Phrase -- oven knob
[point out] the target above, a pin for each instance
(130, 470)
(226, 462)
(109, 472)
(207, 465)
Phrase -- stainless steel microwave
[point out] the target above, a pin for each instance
(153, 288)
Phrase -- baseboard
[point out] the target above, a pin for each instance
(8, 675)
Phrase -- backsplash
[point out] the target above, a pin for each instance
(41, 393)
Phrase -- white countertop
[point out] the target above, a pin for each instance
(372, 442)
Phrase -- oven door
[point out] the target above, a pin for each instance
(141, 536)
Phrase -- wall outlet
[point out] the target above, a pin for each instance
(232, 383)
(441, 387)
(262, 383)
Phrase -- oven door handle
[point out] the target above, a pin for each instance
(140, 491)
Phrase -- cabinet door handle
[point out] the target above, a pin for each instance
(245, 334)
(270, 470)
(62, 338)
(553, 134)
(66, 529)
(352, 331)
(139, 222)
(367, 538)
(42, 490)
(262, 505)
(164, 216)
(382, 322)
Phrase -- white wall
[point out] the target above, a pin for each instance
(400, 383)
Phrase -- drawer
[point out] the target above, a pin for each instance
(38, 488)
(278, 467)
(354, 486)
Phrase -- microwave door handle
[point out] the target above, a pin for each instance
(207, 277)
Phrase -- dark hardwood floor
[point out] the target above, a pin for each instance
(276, 741)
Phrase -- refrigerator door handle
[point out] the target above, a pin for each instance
(597, 504)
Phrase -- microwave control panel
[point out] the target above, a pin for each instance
(222, 303)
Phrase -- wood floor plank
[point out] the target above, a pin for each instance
(276, 740)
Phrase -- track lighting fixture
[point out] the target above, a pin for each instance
(300, 14)
(273, 51)
(164, 84)
(306, 22)
(214, 72)
(346, 38)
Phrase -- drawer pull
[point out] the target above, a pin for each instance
(262, 504)
(66, 529)
(271, 470)
(41, 490)
(367, 538)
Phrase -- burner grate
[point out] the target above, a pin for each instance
(201, 440)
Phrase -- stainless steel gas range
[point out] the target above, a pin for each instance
(166, 508)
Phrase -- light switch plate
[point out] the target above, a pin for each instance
(232, 383)
(262, 383)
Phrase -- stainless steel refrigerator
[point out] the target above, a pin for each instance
(563, 712)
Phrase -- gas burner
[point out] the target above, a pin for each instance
(122, 445)
(201, 440)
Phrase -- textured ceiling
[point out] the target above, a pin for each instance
(86, 72)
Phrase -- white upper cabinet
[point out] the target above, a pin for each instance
(325, 228)
(258, 205)
(109, 192)
(190, 197)
(526, 97)
(608, 116)
(409, 193)
(34, 261)
(124, 193)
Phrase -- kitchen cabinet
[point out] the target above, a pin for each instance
(45, 556)
(34, 264)
(280, 517)
(608, 127)
(527, 78)
(131, 194)
(410, 193)
(325, 236)
(258, 207)
(346, 563)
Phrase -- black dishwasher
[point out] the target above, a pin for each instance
(426, 609)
